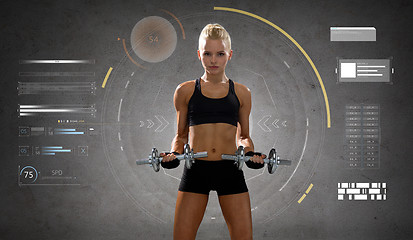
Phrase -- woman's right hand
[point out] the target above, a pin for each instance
(169, 160)
(167, 157)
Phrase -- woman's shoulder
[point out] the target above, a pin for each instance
(185, 88)
(186, 85)
(241, 88)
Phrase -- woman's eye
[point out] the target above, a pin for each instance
(221, 54)
(206, 54)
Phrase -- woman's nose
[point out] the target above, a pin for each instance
(213, 58)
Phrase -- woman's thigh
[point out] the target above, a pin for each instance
(189, 211)
(236, 209)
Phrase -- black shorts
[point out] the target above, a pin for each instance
(222, 176)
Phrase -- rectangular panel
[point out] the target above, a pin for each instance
(364, 70)
(362, 136)
(362, 191)
(352, 34)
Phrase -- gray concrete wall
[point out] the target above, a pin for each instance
(112, 198)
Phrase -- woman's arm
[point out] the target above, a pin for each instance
(181, 107)
(243, 131)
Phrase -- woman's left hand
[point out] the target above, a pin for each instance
(258, 159)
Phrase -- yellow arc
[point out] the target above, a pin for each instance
(107, 76)
(296, 44)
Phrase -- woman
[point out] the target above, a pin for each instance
(213, 112)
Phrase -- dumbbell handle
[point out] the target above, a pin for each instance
(179, 157)
(284, 162)
(266, 160)
(143, 161)
(196, 155)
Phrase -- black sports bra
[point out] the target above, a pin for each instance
(202, 109)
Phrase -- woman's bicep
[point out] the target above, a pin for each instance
(181, 108)
(182, 124)
(244, 114)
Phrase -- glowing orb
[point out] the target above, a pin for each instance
(153, 39)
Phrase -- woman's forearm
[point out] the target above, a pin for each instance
(247, 143)
(178, 144)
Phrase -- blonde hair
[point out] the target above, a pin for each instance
(215, 31)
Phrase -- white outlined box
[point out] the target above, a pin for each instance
(363, 185)
(360, 197)
(374, 191)
(348, 70)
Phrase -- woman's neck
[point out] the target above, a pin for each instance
(214, 78)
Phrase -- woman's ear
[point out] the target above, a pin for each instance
(199, 54)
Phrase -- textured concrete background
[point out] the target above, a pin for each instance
(119, 200)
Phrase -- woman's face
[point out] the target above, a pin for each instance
(214, 55)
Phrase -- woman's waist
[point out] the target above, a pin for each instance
(213, 163)
(214, 150)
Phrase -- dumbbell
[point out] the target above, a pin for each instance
(189, 156)
(272, 160)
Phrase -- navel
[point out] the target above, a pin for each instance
(213, 150)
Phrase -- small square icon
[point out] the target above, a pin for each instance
(24, 151)
(348, 70)
(82, 150)
(24, 131)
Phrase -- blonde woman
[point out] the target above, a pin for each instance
(213, 113)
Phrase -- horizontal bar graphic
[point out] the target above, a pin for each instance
(381, 66)
(68, 133)
(56, 177)
(57, 61)
(56, 74)
(352, 28)
(33, 110)
(56, 87)
(47, 110)
(370, 74)
(56, 150)
(54, 106)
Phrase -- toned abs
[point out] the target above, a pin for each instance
(215, 138)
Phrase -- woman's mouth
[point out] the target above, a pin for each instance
(214, 67)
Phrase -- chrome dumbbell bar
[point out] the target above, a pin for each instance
(272, 160)
(155, 160)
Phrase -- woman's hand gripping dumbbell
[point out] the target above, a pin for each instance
(256, 160)
(171, 160)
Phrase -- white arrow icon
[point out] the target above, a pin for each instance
(160, 128)
(262, 125)
(275, 123)
(150, 123)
